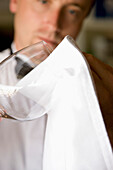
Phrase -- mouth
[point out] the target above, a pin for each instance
(50, 42)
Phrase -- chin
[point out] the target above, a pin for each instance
(35, 41)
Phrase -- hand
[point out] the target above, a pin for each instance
(103, 78)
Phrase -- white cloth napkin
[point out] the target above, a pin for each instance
(75, 138)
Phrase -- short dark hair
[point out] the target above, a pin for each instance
(92, 5)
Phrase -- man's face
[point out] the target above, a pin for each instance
(49, 20)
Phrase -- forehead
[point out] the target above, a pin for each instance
(83, 4)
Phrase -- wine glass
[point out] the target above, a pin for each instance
(14, 105)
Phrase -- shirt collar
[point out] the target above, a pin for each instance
(13, 47)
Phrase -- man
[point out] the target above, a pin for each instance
(48, 20)
(51, 21)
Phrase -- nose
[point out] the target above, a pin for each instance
(52, 19)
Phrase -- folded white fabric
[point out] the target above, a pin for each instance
(75, 138)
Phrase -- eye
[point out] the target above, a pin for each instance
(44, 1)
(72, 12)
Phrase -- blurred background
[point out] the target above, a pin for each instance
(6, 25)
(96, 36)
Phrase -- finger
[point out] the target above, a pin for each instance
(104, 96)
(97, 84)
(98, 66)
(103, 71)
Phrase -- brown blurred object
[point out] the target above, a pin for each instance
(6, 25)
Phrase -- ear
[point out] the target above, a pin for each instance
(13, 6)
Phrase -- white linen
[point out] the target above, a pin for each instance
(75, 137)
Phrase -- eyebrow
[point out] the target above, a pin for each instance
(76, 5)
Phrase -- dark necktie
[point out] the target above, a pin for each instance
(22, 68)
